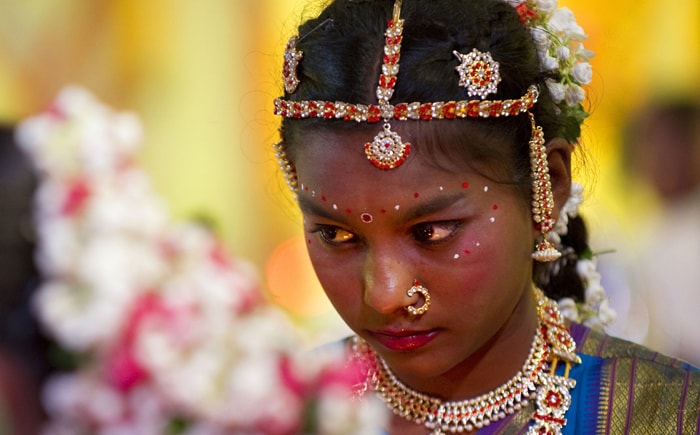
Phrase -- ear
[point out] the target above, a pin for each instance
(559, 162)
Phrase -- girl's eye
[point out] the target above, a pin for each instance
(334, 235)
(435, 232)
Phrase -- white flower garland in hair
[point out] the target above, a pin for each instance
(171, 334)
(595, 311)
(559, 41)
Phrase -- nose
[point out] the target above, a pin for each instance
(387, 278)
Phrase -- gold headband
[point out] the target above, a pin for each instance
(478, 73)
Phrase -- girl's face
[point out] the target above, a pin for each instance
(466, 238)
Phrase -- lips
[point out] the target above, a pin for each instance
(404, 340)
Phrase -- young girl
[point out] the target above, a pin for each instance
(429, 145)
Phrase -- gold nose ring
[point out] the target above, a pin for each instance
(417, 288)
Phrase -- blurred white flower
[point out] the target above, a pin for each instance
(546, 6)
(587, 269)
(556, 89)
(563, 53)
(563, 22)
(574, 94)
(595, 293)
(582, 73)
(548, 62)
(569, 309)
(569, 210)
(541, 38)
(606, 313)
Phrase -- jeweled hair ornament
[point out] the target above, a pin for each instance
(292, 56)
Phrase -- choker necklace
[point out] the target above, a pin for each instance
(536, 381)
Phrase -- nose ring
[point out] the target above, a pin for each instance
(417, 288)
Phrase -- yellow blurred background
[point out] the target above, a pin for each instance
(202, 76)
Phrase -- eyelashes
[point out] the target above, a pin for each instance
(334, 235)
(434, 233)
(425, 233)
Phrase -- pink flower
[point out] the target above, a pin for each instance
(78, 192)
(123, 369)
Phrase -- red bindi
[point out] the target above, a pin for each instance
(465, 185)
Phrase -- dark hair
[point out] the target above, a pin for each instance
(343, 57)
(22, 342)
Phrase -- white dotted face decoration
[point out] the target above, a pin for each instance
(368, 217)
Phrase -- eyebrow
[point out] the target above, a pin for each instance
(308, 206)
(430, 206)
(433, 205)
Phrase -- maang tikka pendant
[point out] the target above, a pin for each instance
(387, 150)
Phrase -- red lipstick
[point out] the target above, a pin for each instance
(404, 340)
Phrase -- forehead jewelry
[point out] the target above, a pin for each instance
(478, 73)
(388, 150)
(417, 288)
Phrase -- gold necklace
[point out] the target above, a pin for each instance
(551, 343)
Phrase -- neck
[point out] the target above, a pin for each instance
(551, 345)
(496, 361)
(501, 357)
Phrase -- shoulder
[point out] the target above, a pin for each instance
(598, 344)
(640, 390)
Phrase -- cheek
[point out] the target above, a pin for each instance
(335, 274)
(503, 233)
